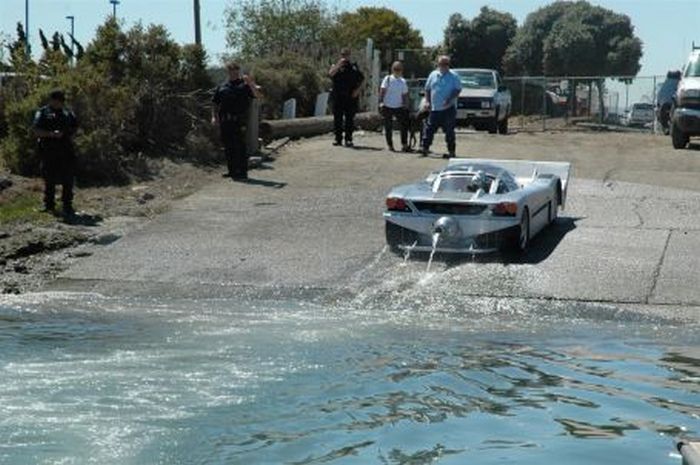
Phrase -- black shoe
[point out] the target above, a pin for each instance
(348, 143)
(51, 210)
(68, 213)
(406, 149)
(449, 155)
(424, 152)
(391, 148)
(226, 175)
(337, 143)
(240, 177)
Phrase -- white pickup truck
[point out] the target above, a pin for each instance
(685, 109)
(484, 102)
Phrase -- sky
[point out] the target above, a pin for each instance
(667, 27)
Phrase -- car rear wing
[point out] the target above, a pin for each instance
(526, 171)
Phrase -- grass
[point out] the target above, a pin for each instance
(22, 208)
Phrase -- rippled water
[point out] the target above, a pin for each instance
(85, 379)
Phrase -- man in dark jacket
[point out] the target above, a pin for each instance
(230, 112)
(55, 126)
(347, 81)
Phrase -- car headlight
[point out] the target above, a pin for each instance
(486, 104)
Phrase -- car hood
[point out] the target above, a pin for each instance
(479, 93)
(689, 83)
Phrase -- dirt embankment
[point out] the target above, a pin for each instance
(35, 246)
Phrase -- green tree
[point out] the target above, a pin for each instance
(481, 42)
(259, 28)
(389, 31)
(567, 38)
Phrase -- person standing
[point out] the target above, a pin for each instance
(393, 103)
(441, 92)
(55, 125)
(231, 103)
(347, 81)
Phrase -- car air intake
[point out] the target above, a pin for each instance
(442, 208)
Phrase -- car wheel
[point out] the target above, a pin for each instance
(396, 237)
(678, 137)
(524, 231)
(553, 212)
(503, 126)
(493, 124)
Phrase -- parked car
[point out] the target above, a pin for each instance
(484, 102)
(640, 115)
(664, 99)
(685, 108)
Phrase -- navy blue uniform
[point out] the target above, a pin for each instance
(345, 81)
(233, 100)
(57, 156)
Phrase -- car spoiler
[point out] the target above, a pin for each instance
(526, 171)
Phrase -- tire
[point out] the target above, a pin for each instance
(553, 212)
(503, 126)
(523, 240)
(493, 124)
(396, 237)
(678, 137)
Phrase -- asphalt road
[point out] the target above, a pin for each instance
(310, 223)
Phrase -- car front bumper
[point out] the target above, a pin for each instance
(687, 120)
(476, 235)
(484, 115)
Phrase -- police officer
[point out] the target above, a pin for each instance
(55, 125)
(231, 103)
(347, 80)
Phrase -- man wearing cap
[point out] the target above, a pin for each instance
(441, 91)
(55, 125)
(231, 102)
(347, 81)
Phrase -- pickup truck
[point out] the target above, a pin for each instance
(685, 109)
(484, 102)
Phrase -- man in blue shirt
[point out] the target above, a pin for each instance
(441, 92)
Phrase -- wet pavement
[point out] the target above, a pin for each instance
(311, 222)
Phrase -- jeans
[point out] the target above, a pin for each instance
(344, 109)
(233, 138)
(401, 115)
(445, 119)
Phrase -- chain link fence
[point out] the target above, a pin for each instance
(638, 103)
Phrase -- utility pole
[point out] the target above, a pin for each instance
(114, 7)
(197, 24)
(26, 26)
(71, 18)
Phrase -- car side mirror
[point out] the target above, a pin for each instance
(502, 88)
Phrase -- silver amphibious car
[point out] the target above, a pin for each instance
(476, 206)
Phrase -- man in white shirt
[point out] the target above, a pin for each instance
(393, 103)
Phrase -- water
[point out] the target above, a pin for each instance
(85, 379)
(436, 241)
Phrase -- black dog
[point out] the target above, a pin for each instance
(416, 122)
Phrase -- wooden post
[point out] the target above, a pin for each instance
(197, 24)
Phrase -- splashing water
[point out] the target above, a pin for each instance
(407, 252)
(436, 239)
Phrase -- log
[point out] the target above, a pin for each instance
(313, 126)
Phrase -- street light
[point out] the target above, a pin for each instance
(114, 7)
(71, 18)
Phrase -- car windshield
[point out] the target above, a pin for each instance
(477, 79)
(465, 183)
(643, 106)
(693, 68)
